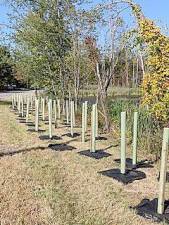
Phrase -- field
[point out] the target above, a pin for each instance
(40, 184)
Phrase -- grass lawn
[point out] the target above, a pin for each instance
(42, 186)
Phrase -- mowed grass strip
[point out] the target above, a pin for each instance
(62, 188)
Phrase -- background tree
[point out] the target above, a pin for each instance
(156, 79)
(7, 72)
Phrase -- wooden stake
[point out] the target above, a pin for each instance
(123, 142)
(50, 117)
(162, 181)
(36, 115)
(93, 126)
(83, 122)
(135, 126)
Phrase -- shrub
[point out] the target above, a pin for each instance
(149, 129)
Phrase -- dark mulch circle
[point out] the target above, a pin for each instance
(61, 147)
(101, 138)
(22, 121)
(31, 130)
(96, 155)
(66, 124)
(69, 135)
(46, 137)
(142, 164)
(129, 177)
(148, 209)
(65, 121)
(47, 122)
(30, 124)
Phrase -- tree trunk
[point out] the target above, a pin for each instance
(102, 89)
(105, 109)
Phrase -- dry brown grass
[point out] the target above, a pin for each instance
(42, 186)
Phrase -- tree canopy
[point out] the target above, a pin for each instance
(7, 71)
(64, 46)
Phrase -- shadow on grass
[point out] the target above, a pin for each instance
(55, 147)
(11, 153)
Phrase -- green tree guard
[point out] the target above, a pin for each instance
(36, 115)
(162, 181)
(74, 123)
(50, 117)
(67, 111)
(86, 106)
(43, 109)
(71, 117)
(63, 107)
(83, 122)
(27, 109)
(93, 130)
(123, 142)
(58, 104)
(55, 112)
(97, 129)
(12, 101)
(31, 103)
(135, 127)
(19, 104)
(22, 106)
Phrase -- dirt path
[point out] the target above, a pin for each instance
(41, 185)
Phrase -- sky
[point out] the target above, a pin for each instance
(157, 10)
